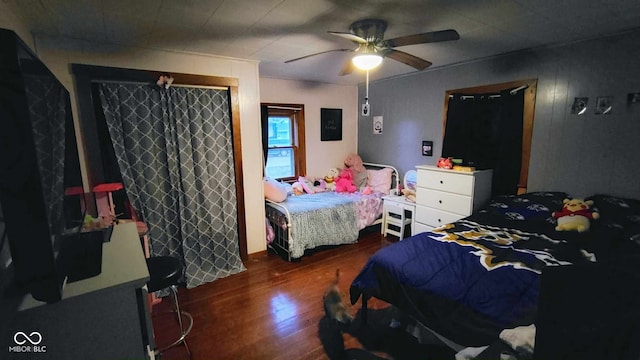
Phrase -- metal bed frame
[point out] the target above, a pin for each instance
(278, 214)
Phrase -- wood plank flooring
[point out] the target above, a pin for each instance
(271, 310)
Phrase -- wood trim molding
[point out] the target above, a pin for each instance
(299, 140)
(85, 74)
(237, 158)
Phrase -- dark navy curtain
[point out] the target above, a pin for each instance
(485, 130)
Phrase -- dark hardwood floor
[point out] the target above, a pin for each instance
(271, 310)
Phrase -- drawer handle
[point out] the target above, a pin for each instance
(441, 182)
(440, 201)
(439, 220)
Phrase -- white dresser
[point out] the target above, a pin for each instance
(444, 196)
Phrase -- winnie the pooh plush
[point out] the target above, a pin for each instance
(575, 215)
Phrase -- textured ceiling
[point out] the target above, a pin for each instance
(273, 31)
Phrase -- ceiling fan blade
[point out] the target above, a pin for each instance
(347, 68)
(408, 59)
(428, 37)
(349, 36)
(319, 53)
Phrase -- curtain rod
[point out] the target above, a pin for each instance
(148, 83)
(283, 108)
(512, 92)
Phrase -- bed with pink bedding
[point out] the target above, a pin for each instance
(309, 221)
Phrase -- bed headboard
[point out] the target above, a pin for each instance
(395, 176)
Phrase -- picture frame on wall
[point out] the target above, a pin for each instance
(604, 105)
(427, 148)
(330, 124)
(377, 125)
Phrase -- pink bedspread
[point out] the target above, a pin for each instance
(368, 209)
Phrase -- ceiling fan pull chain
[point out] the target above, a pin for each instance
(366, 96)
(365, 106)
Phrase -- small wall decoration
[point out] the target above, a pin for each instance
(427, 148)
(366, 109)
(330, 124)
(633, 98)
(579, 105)
(604, 105)
(377, 125)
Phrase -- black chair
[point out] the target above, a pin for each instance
(164, 273)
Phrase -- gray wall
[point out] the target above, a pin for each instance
(581, 155)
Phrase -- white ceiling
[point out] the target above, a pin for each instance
(273, 31)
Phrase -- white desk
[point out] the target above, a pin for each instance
(402, 202)
(103, 317)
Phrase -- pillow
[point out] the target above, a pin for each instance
(619, 213)
(307, 185)
(617, 209)
(380, 180)
(529, 206)
(274, 191)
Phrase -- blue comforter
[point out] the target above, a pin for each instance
(487, 272)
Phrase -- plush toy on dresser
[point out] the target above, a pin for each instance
(575, 215)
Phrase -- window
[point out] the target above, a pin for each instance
(529, 87)
(286, 150)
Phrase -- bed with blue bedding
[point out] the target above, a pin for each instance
(329, 218)
(471, 279)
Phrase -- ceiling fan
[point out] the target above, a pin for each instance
(368, 34)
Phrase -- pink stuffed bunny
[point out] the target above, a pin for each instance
(345, 181)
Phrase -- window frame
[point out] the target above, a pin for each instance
(295, 112)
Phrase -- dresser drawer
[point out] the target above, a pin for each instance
(420, 228)
(433, 217)
(441, 200)
(453, 182)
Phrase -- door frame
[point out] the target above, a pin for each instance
(86, 74)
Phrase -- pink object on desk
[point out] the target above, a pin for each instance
(104, 199)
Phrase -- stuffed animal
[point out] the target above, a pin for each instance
(297, 188)
(445, 163)
(575, 215)
(354, 163)
(330, 179)
(307, 185)
(345, 181)
(409, 194)
(319, 185)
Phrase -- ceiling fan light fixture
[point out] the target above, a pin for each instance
(367, 61)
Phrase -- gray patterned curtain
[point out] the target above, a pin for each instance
(174, 150)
